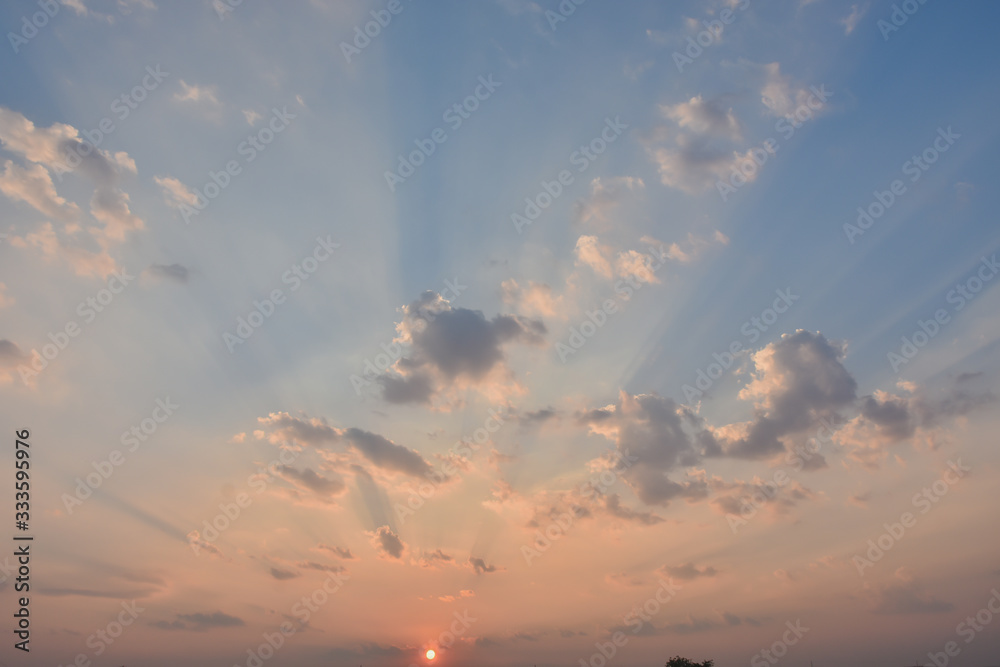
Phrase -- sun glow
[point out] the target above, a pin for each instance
(430, 654)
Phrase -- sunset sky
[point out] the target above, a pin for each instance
(531, 332)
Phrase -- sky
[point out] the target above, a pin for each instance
(526, 332)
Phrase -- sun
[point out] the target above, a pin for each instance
(430, 654)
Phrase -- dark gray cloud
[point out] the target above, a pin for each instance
(283, 575)
(387, 543)
(688, 571)
(310, 479)
(384, 453)
(480, 566)
(200, 622)
(447, 344)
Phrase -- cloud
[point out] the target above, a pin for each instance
(200, 622)
(11, 356)
(175, 193)
(904, 596)
(339, 552)
(797, 381)
(659, 435)
(480, 566)
(386, 454)
(851, 21)
(780, 96)
(604, 197)
(58, 147)
(376, 449)
(175, 272)
(455, 348)
(282, 575)
(308, 478)
(33, 185)
(387, 544)
(694, 164)
(705, 117)
(431, 559)
(536, 299)
(688, 571)
(197, 94)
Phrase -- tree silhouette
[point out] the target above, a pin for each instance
(678, 661)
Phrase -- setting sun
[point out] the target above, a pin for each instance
(430, 654)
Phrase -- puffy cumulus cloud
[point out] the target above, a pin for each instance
(387, 544)
(797, 381)
(281, 428)
(59, 148)
(660, 436)
(590, 252)
(887, 419)
(694, 164)
(11, 356)
(534, 299)
(604, 197)
(707, 117)
(33, 185)
(904, 595)
(453, 349)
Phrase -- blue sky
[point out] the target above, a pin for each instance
(586, 330)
